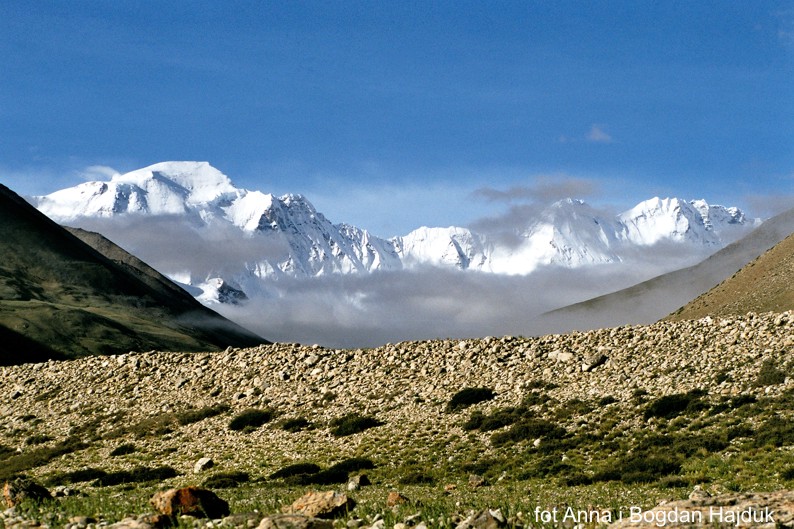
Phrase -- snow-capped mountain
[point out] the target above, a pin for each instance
(569, 233)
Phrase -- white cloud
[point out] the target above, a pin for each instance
(97, 172)
(598, 135)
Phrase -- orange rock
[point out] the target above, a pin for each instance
(190, 500)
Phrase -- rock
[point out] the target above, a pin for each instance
(591, 362)
(245, 519)
(449, 487)
(22, 489)
(327, 504)
(486, 519)
(476, 481)
(203, 464)
(358, 481)
(395, 498)
(294, 521)
(194, 501)
(131, 523)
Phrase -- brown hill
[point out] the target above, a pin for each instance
(764, 285)
(60, 297)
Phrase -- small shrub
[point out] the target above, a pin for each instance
(37, 439)
(295, 425)
(528, 429)
(78, 476)
(6, 452)
(136, 475)
(787, 474)
(468, 397)
(352, 423)
(295, 469)
(122, 450)
(775, 432)
(416, 477)
(604, 401)
(671, 406)
(769, 375)
(37, 457)
(226, 480)
(251, 419)
(191, 416)
(324, 477)
(353, 464)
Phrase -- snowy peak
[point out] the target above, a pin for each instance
(198, 182)
(169, 188)
(674, 219)
(297, 240)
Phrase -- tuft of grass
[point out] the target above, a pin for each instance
(77, 476)
(674, 405)
(123, 449)
(191, 416)
(528, 429)
(352, 423)
(296, 424)
(226, 480)
(769, 375)
(251, 419)
(468, 397)
(14, 465)
(295, 470)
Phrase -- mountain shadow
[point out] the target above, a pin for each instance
(61, 297)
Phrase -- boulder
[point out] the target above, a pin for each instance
(194, 501)
(327, 504)
(20, 489)
(485, 519)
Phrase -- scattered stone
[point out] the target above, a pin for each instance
(476, 481)
(203, 464)
(358, 481)
(485, 519)
(395, 498)
(327, 504)
(294, 521)
(591, 362)
(22, 489)
(190, 500)
(245, 519)
(449, 487)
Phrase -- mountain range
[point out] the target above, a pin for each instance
(288, 237)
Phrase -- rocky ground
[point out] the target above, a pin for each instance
(584, 399)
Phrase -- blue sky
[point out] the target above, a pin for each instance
(390, 115)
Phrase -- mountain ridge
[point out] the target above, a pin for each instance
(568, 233)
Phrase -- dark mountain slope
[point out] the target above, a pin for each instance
(654, 299)
(58, 294)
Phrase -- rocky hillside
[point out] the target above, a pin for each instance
(613, 417)
(767, 283)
